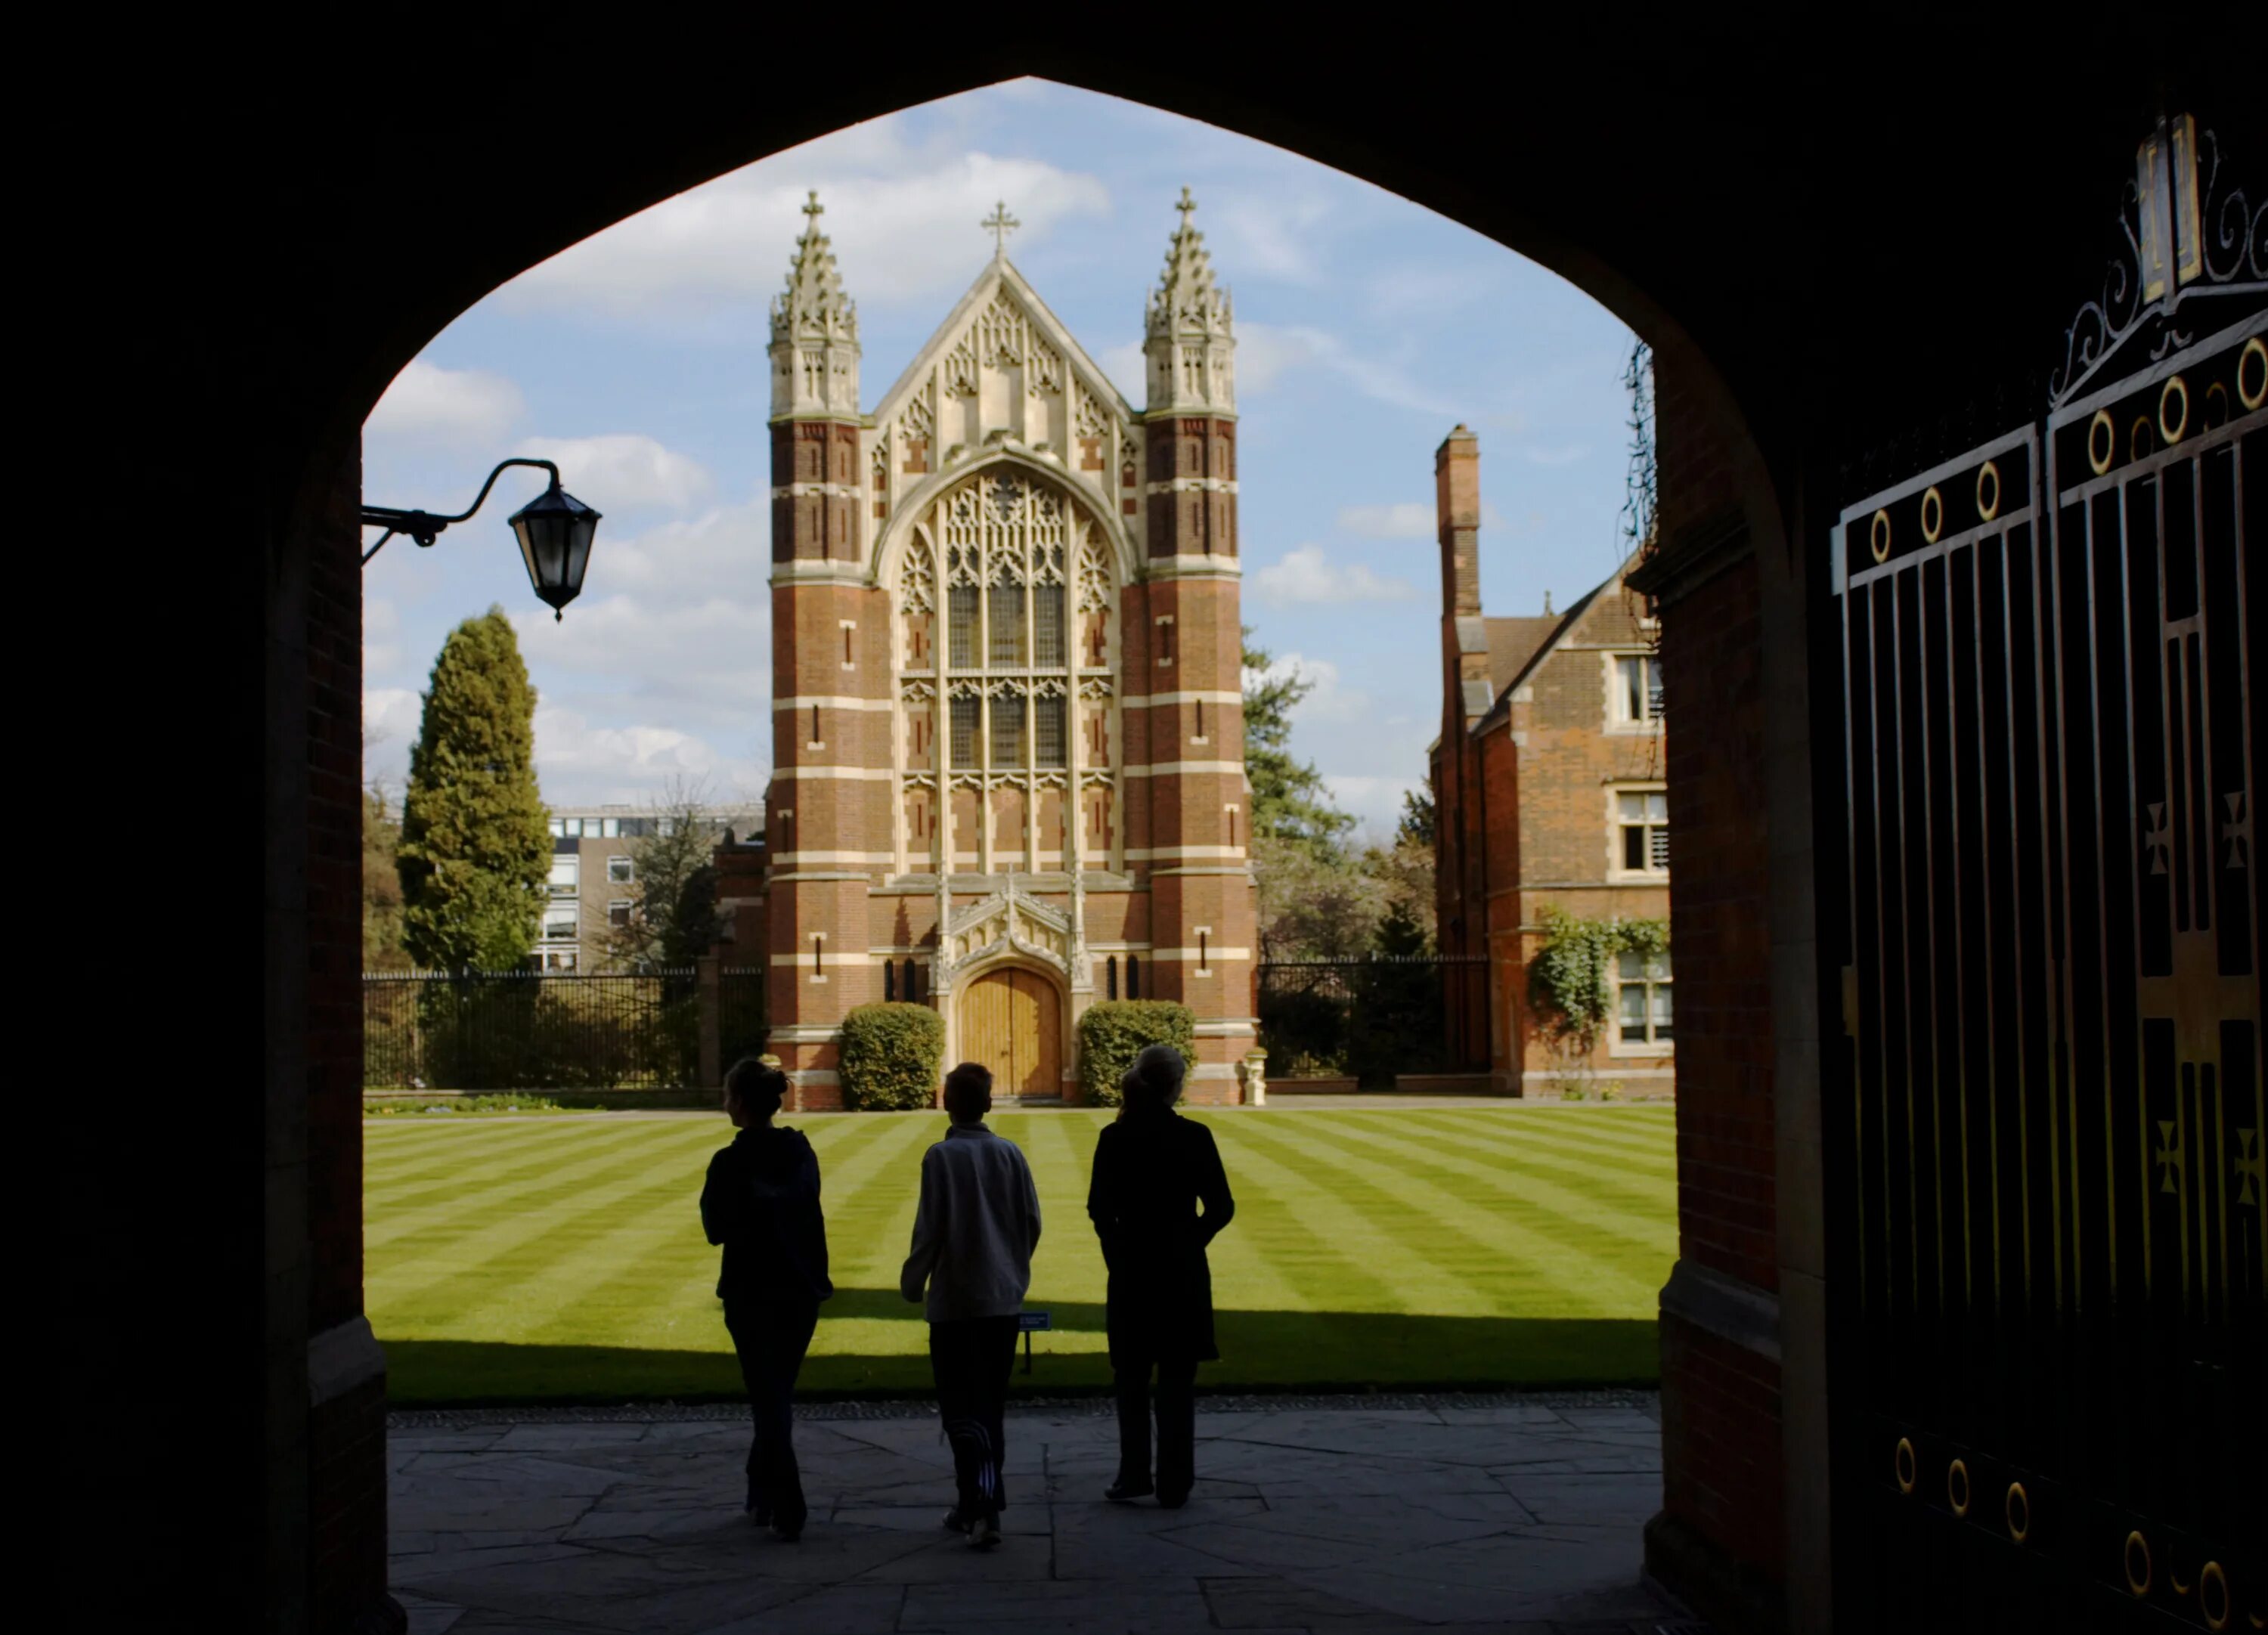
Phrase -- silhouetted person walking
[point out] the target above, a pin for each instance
(1152, 1167)
(978, 1223)
(762, 1202)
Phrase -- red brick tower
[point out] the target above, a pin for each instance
(1185, 658)
(827, 826)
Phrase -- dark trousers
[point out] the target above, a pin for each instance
(771, 1340)
(1176, 1402)
(971, 1357)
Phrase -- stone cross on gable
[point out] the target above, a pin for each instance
(813, 208)
(999, 224)
(1187, 206)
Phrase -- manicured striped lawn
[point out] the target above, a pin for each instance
(562, 1256)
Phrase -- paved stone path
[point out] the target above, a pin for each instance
(1481, 1515)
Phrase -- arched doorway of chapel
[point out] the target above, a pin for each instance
(1011, 1021)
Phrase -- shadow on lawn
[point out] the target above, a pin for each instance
(1260, 1351)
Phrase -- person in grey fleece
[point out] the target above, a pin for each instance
(973, 1234)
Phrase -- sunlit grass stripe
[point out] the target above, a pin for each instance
(1275, 1234)
(539, 1259)
(497, 1170)
(1640, 1182)
(1650, 1169)
(390, 1171)
(1575, 1241)
(541, 1221)
(528, 1180)
(1631, 1214)
(1538, 1273)
(1648, 1148)
(666, 1257)
(1600, 1202)
(1332, 1255)
(869, 1198)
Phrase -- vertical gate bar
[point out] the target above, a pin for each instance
(2016, 860)
(2053, 698)
(1986, 883)
(1926, 984)
(1905, 940)
(1855, 1045)
(1952, 836)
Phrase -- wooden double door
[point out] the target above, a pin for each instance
(1012, 1021)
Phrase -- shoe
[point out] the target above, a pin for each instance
(984, 1531)
(1123, 1491)
(788, 1532)
(1173, 1501)
(957, 1520)
(758, 1512)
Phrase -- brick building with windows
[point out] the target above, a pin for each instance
(1551, 791)
(593, 883)
(1008, 761)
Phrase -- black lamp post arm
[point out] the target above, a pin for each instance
(423, 526)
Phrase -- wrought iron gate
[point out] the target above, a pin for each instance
(2050, 1392)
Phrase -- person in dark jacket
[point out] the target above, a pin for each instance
(1152, 1168)
(762, 1202)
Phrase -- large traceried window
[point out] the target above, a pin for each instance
(1024, 680)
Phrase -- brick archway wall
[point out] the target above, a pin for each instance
(1763, 226)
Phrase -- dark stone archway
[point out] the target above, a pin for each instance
(1826, 243)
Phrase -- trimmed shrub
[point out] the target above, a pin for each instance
(1113, 1032)
(892, 1056)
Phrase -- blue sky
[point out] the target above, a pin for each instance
(1366, 328)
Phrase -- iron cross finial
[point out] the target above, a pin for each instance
(813, 208)
(999, 224)
(1186, 205)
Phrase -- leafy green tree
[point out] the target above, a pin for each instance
(1416, 825)
(675, 918)
(1289, 799)
(382, 946)
(474, 850)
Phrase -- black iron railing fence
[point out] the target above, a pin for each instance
(1374, 1017)
(516, 1030)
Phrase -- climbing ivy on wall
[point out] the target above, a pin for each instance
(1571, 979)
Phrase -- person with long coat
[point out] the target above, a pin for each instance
(761, 1200)
(1152, 1170)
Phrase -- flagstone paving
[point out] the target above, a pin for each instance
(1479, 1514)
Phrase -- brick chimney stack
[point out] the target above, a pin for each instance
(1465, 638)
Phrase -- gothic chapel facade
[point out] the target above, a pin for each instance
(1007, 735)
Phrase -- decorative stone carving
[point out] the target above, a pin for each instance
(1006, 922)
(1189, 332)
(814, 345)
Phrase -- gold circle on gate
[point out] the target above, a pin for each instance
(2100, 424)
(1878, 536)
(2216, 1618)
(2172, 430)
(1988, 483)
(2216, 407)
(1932, 515)
(1956, 1487)
(2252, 362)
(2137, 1581)
(2019, 1508)
(2137, 438)
(1904, 1466)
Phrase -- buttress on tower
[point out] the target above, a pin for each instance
(1007, 733)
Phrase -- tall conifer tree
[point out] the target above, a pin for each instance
(475, 849)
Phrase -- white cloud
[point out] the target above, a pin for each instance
(1567, 456)
(1405, 519)
(724, 551)
(382, 629)
(1305, 575)
(903, 220)
(1269, 234)
(427, 403)
(622, 468)
(705, 664)
(1266, 352)
(1326, 702)
(1375, 802)
(581, 763)
(390, 720)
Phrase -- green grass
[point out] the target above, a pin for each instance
(562, 1258)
